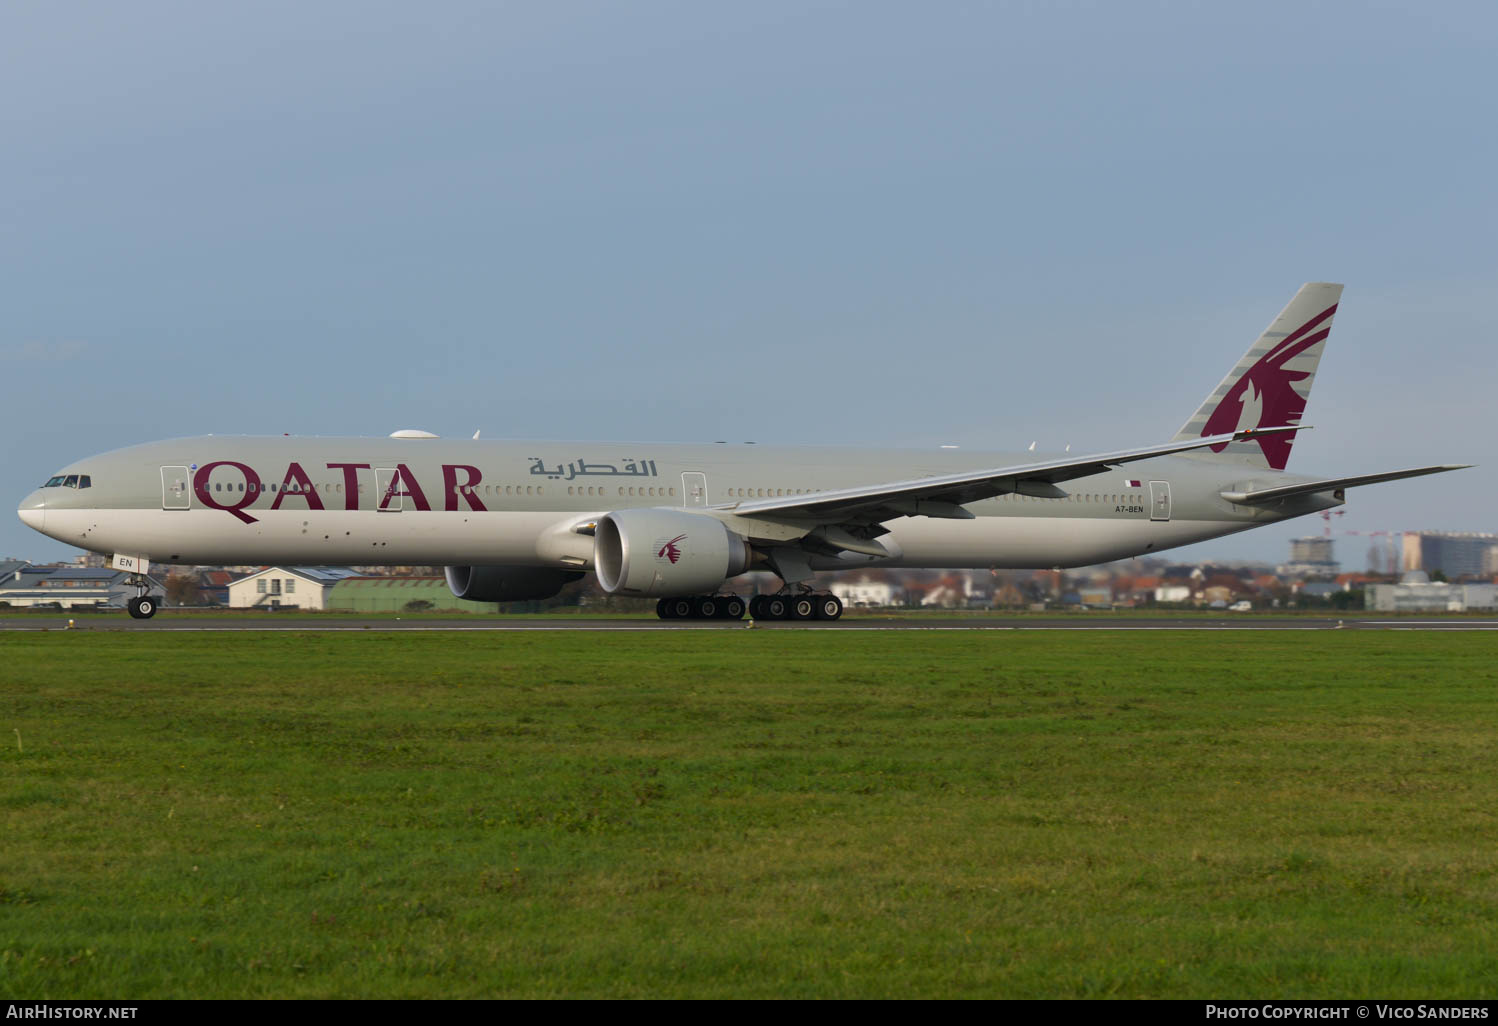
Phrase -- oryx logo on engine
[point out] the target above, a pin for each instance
(669, 550)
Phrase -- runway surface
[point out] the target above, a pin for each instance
(191, 623)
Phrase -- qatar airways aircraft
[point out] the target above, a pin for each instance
(518, 520)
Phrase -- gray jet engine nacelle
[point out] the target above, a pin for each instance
(665, 552)
(507, 583)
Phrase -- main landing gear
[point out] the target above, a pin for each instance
(702, 607)
(811, 605)
(808, 606)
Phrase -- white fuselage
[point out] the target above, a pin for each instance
(336, 501)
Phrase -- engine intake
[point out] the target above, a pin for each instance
(507, 583)
(664, 552)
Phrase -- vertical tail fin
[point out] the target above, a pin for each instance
(1270, 385)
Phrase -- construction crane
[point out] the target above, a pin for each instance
(1376, 562)
(1326, 516)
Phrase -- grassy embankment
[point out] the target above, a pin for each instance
(753, 813)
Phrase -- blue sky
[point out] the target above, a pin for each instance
(852, 223)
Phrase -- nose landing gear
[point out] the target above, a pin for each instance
(144, 605)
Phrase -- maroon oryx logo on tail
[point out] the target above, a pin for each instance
(669, 550)
(1265, 395)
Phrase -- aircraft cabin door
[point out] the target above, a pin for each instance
(1159, 500)
(174, 493)
(385, 479)
(693, 489)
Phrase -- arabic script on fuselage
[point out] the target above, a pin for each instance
(583, 468)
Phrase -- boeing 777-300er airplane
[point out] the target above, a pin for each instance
(518, 520)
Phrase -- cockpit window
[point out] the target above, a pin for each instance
(55, 482)
(69, 481)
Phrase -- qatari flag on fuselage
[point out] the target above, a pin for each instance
(1132, 484)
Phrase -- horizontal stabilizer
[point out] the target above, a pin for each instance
(1260, 496)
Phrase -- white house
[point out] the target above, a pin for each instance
(866, 592)
(279, 587)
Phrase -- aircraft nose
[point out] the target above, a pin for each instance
(33, 511)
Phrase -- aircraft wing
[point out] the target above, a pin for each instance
(1261, 496)
(943, 495)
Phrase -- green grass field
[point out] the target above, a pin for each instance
(753, 813)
